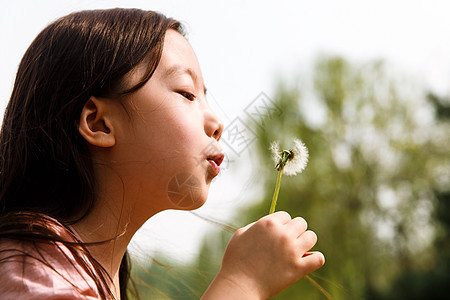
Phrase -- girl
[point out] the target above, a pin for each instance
(107, 125)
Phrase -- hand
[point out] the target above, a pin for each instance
(265, 257)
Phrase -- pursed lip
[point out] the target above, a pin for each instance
(217, 158)
(214, 163)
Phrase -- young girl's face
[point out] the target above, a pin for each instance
(167, 142)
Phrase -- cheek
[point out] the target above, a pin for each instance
(179, 133)
(166, 145)
(185, 173)
(164, 151)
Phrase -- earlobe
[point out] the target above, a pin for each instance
(94, 125)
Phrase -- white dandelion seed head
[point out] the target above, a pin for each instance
(276, 154)
(298, 163)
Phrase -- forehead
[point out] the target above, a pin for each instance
(178, 57)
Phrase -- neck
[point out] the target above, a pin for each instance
(111, 224)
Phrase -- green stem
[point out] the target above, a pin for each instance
(277, 189)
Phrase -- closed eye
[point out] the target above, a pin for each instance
(187, 95)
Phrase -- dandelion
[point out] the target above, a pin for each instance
(289, 162)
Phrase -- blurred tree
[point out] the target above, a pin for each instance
(379, 151)
(432, 281)
(442, 106)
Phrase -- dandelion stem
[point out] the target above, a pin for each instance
(277, 190)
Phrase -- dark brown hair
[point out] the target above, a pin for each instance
(45, 166)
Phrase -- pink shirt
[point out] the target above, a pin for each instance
(28, 277)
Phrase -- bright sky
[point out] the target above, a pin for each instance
(243, 48)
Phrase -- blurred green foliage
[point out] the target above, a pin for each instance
(376, 188)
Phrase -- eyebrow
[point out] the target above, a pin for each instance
(174, 70)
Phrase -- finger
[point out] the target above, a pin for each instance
(297, 226)
(246, 227)
(279, 217)
(306, 241)
(311, 261)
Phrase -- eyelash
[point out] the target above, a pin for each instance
(187, 95)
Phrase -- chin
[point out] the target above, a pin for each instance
(187, 192)
(189, 205)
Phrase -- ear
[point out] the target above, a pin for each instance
(95, 125)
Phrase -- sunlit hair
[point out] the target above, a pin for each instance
(45, 165)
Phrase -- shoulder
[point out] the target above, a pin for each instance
(42, 271)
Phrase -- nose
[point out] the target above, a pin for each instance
(213, 125)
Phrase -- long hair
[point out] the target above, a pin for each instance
(45, 165)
